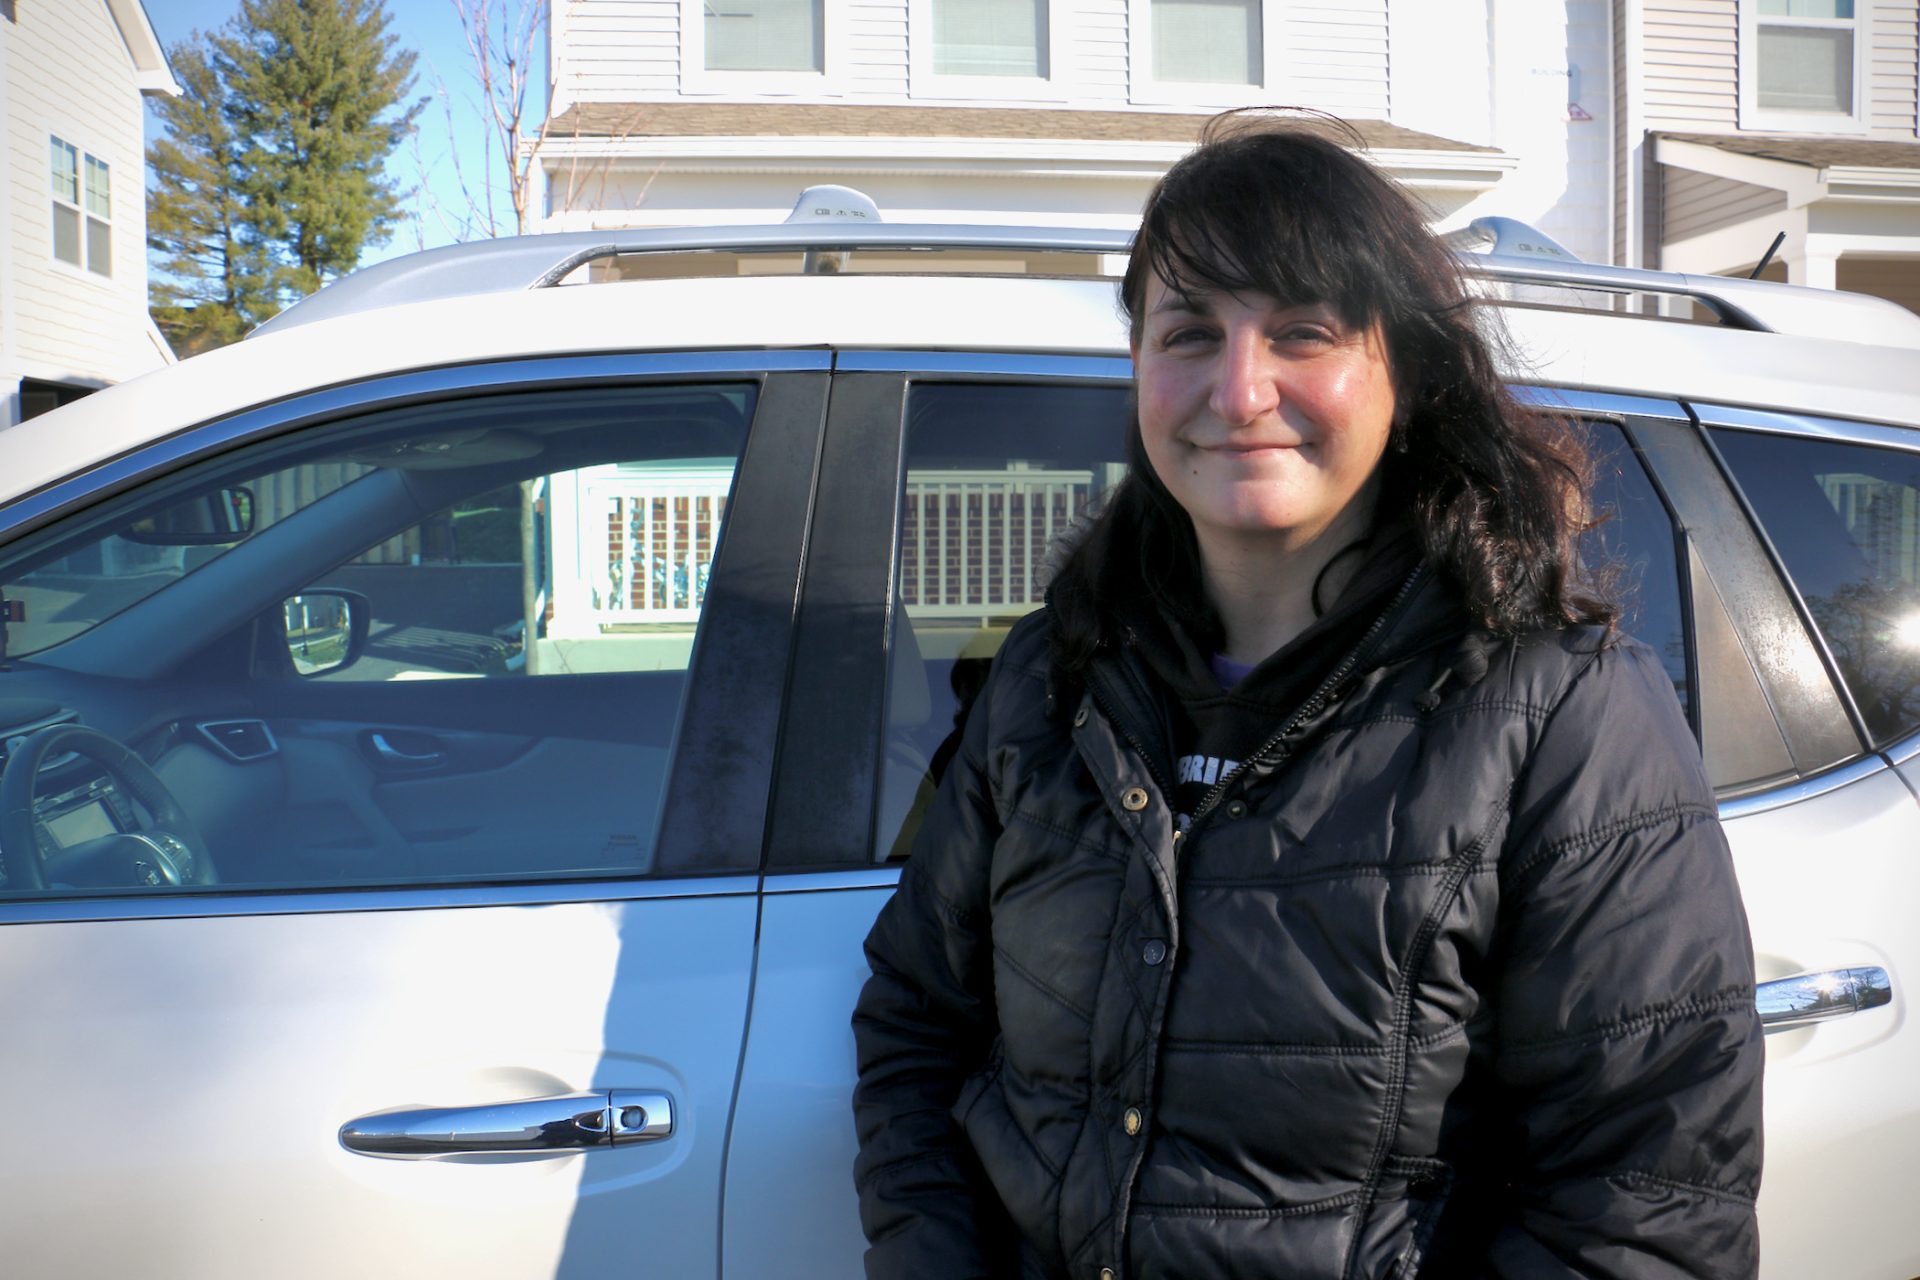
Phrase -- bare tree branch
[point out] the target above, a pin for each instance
(503, 48)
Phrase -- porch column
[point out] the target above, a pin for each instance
(1818, 270)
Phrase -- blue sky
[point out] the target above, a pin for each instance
(431, 29)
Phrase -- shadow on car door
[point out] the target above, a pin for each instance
(467, 1068)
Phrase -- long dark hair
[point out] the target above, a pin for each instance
(1496, 495)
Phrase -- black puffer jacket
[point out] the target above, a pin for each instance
(1459, 986)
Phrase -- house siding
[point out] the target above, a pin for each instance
(1695, 203)
(1893, 76)
(617, 50)
(1690, 53)
(1334, 56)
(69, 323)
(1690, 63)
(1099, 53)
(876, 59)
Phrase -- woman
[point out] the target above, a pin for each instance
(1323, 887)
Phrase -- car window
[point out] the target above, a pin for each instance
(445, 596)
(996, 475)
(450, 597)
(1635, 550)
(1845, 519)
(336, 689)
(58, 597)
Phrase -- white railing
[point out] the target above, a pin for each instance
(634, 546)
(972, 542)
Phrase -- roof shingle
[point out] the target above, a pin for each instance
(1817, 153)
(784, 120)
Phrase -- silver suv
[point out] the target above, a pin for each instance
(457, 739)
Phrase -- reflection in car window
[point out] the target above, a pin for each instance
(1846, 520)
(445, 594)
(61, 597)
(995, 475)
(572, 538)
(637, 539)
(1635, 546)
(125, 553)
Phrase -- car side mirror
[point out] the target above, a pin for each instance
(208, 520)
(325, 629)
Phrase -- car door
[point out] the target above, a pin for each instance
(467, 993)
(1829, 856)
(944, 481)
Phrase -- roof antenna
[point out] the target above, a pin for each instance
(1510, 238)
(828, 203)
(1767, 257)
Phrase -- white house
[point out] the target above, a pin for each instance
(1745, 119)
(1675, 133)
(1062, 111)
(73, 225)
(1056, 112)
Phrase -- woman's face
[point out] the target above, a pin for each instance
(1264, 421)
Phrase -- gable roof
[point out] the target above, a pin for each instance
(150, 68)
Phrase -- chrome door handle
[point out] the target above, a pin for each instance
(533, 1126)
(1815, 997)
(387, 753)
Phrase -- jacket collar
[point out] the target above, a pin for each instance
(1423, 613)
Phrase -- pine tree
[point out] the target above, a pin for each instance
(213, 274)
(270, 177)
(316, 90)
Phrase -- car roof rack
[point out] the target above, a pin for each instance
(833, 220)
(1520, 254)
(540, 261)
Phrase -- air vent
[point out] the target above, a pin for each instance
(239, 740)
(12, 735)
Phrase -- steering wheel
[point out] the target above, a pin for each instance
(169, 852)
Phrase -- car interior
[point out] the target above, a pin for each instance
(168, 720)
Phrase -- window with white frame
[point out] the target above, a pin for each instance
(1801, 64)
(1009, 50)
(1206, 41)
(764, 35)
(990, 38)
(82, 208)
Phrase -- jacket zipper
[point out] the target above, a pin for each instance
(1314, 702)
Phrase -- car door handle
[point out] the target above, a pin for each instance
(532, 1126)
(1815, 997)
(386, 753)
